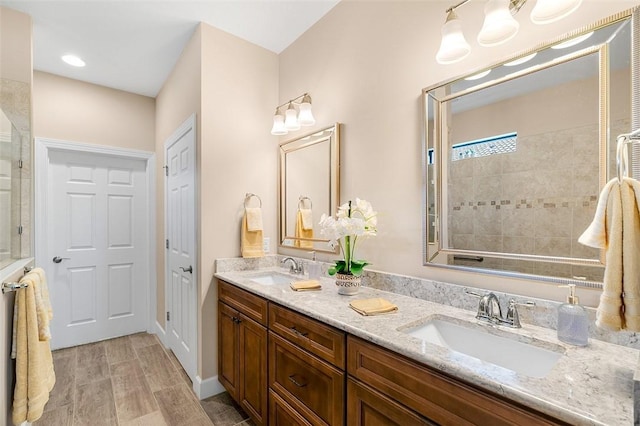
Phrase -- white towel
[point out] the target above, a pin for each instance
(616, 228)
(307, 219)
(254, 219)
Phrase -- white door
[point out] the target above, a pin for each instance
(181, 253)
(97, 251)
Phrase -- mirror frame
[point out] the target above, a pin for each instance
(295, 144)
(433, 246)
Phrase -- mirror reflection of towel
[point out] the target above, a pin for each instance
(307, 219)
(301, 232)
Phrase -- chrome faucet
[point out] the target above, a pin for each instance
(295, 268)
(489, 309)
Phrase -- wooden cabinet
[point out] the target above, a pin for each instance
(242, 354)
(282, 414)
(432, 394)
(366, 407)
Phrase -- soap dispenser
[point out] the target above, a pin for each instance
(573, 322)
(314, 268)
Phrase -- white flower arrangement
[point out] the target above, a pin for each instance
(353, 221)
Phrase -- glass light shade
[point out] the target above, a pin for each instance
(305, 118)
(547, 11)
(291, 119)
(454, 46)
(278, 125)
(499, 25)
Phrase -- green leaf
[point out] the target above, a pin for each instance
(357, 267)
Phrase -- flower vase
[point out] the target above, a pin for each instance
(347, 284)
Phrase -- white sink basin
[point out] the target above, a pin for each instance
(271, 278)
(475, 341)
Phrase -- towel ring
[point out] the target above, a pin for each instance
(248, 198)
(622, 153)
(301, 201)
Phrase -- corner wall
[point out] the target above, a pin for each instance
(365, 64)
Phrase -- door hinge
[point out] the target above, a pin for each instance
(166, 244)
(19, 164)
(168, 316)
(166, 170)
(19, 229)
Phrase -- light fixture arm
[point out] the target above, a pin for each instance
(298, 98)
(514, 7)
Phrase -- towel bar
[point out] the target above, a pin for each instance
(13, 286)
(248, 196)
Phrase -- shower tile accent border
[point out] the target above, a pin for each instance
(544, 314)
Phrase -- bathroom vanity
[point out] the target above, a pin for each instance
(306, 358)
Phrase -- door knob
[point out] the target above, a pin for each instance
(60, 259)
(189, 269)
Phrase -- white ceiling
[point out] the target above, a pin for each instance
(133, 45)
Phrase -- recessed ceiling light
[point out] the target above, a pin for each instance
(573, 41)
(73, 60)
(479, 75)
(521, 60)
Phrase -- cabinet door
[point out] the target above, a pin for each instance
(366, 407)
(228, 362)
(253, 369)
(282, 414)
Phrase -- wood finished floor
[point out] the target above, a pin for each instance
(130, 381)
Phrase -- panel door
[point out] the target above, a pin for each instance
(98, 247)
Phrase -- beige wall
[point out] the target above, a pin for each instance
(238, 155)
(365, 64)
(76, 111)
(15, 45)
(179, 97)
(231, 85)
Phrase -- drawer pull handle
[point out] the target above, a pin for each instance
(295, 382)
(298, 332)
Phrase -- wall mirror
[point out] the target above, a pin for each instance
(515, 156)
(15, 182)
(309, 187)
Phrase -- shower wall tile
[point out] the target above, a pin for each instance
(552, 222)
(551, 246)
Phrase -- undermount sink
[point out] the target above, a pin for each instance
(271, 278)
(476, 341)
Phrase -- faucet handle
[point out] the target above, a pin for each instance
(512, 318)
(472, 293)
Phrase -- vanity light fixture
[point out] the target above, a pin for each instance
(499, 25)
(292, 119)
(73, 60)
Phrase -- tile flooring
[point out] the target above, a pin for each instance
(130, 381)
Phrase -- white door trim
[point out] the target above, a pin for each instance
(188, 125)
(41, 163)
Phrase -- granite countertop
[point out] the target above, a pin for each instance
(591, 385)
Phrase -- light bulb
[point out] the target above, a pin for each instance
(547, 11)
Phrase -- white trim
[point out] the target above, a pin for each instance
(41, 170)
(207, 387)
(186, 126)
(161, 333)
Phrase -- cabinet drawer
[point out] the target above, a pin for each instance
(320, 339)
(366, 407)
(431, 393)
(249, 304)
(281, 413)
(314, 388)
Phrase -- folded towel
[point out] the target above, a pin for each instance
(35, 377)
(373, 306)
(307, 219)
(616, 228)
(254, 218)
(301, 232)
(306, 285)
(250, 241)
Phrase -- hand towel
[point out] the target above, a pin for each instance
(616, 228)
(35, 377)
(254, 218)
(302, 233)
(307, 219)
(43, 305)
(375, 306)
(307, 285)
(250, 241)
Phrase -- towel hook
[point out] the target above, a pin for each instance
(301, 201)
(248, 197)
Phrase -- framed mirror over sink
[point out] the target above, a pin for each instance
(515, 156)
(309, 169)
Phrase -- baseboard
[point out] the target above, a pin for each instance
(162, 335)
(207, 387)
